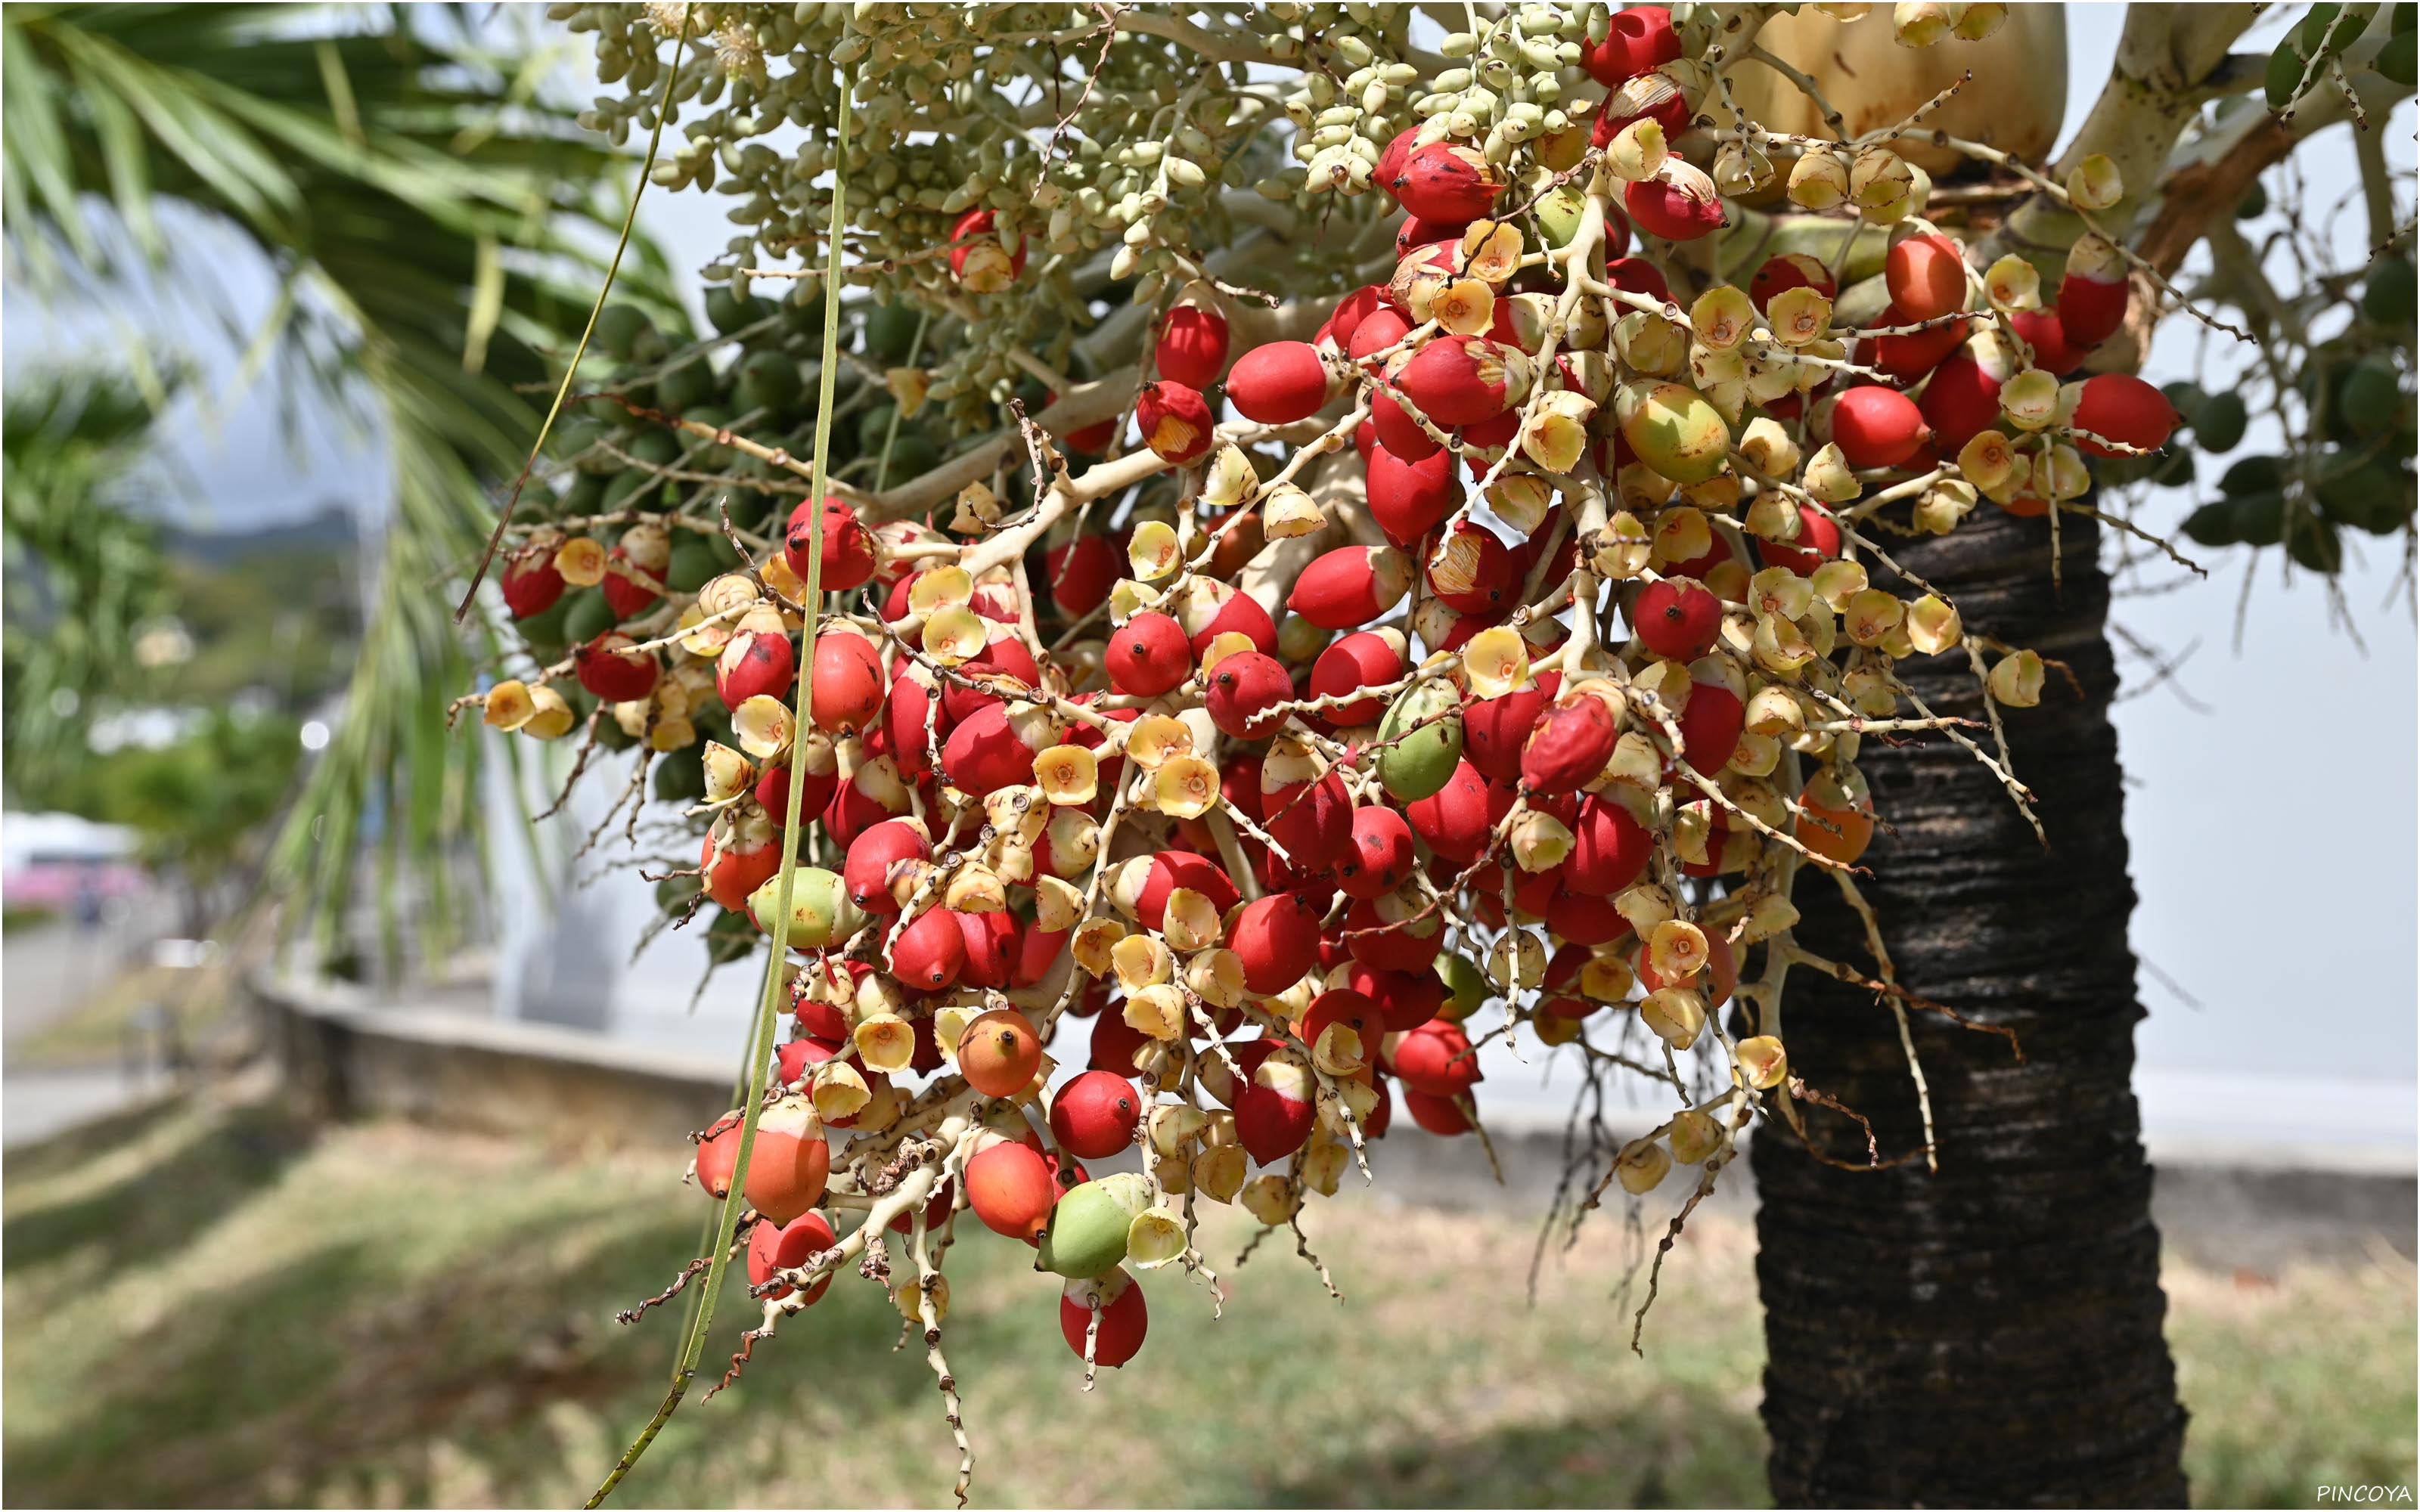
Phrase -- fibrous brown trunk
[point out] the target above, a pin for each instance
(1989, 1333)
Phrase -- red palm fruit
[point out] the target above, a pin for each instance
(1381, 328)
(1396, 430)
(815, 792)
(1676, 618)
(1037, 953)
(908, 711)
(985, 753)
(1350, 312)
(1440, 1116)
(1639, 38)
(1610, 848)
(1655, 95)
(1583, 918)
(1404, 946)
(1362, 659)
(1836, 834)
(1452, 821)
(1009, 1186)
(2122, 408)
(1446, 181)
(992, 950)
(1697, 566)
(1409, 499)
(530, 583)
(1381, 856)
(1436, 1058)
(1710, 723)
(790, 1162)
(1271, 1124)
(1192, 349)
(1962, 401)
(753, 662)
(1461, 380)
(1877, 427)
(1241, 613)
(998, 1052)
(1176, 420)
(1926, 275)
(1279, 382)
(1124, 1319)
(624, 594)
(1819, 541)
(1172, 869)
(1113, 1044)
(1636, 276)
(1722, 968)
(608, 668)
(718, 1155)
(1314, 821)
(1355, 1011)
(1081, 573)
(1392, 161)
(1491, 435)
(1534, 892)
(739, 854)
(1416, 232)
(1679, 205)
(1094, 438)
(1405, 999)
(855, 808)
(1493, 729)
(2092, 293)
(2046, 334)
(1147, 656)
(796, 1057)
(1005, 655)
(977, 259)
(1570, 746)
(1910, 357)
(1276, 938)
(1096, 1116)
(1243, 689)
(1365, 440)
(929, 952)
(786, 1247)
(849, 691)
(849, 555)
(1787, 271)
(1475, 573)
(1349, 587)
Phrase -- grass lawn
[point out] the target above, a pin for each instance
(212, 1304)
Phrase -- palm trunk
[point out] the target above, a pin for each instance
(1989, 1334)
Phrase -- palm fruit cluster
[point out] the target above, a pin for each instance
(1252, 670)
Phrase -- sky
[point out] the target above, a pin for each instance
(2274, 858)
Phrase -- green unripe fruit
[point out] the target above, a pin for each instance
(802, 313)
(681, 774)
(2218, 425)
(1673, 430)
(693, 565)
(2254, 204)
(2173, 468)
(586, 495)
(1087, 1236)
(730, 937)
(1466, 986)
(627, 332)
(2390, 297)
(890, 331)
(544, 633)
(2259, 518)
(912, 454)
(2371, 396)
(769, 381)
(610, 735)
(587, 616)
(686, 387)
(673, 893)
(2254, 474)
(2212, 524)
(1419, 765)
(820, 912)
(575, 436)
(2373, 496)
(872, 426)
(2312, 542)
(1558, 215)
(728, 312)
(2185, 397)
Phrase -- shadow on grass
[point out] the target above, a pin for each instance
(154, 1212)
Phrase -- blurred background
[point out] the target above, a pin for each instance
(292, 282)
